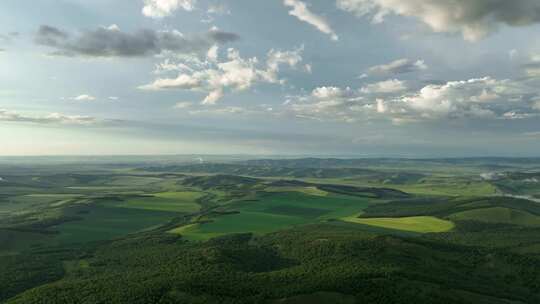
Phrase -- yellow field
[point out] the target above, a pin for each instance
(420, 224)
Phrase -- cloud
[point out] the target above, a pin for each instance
(477, 98)
(53, 118)
(164, 8)
(112, 42)
(387, 86)
(214, 76)
(302, 12)
(218, 9)
(9, 37)
(400, 66)
(532, 67)
(84, 97)
(329, 93)
(183, 105)
(474, 19)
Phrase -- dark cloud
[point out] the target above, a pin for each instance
(475, 19)
(9, 36)
(112, 42)
(50, 36)
(223, 37)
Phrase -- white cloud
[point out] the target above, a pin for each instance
(276, 58)
(387, 86)
(474, 19)
(213, 97)
(479, 98)
(84, 97)
(400, 66)
(164, 8)
(513, 53)
(214, 76)
(302, 12)
(329, 92)
(532, 67)
(536, 105)
(183, 105)
(52, 118)
(218, 9)
(212, 53)
(222, 111)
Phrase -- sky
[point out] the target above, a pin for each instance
(364, 78)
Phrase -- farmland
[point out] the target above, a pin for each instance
(221, 233)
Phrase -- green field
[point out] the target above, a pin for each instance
(103, 223)
(498, 215)
(439, 185)
(305, 190)
(165, 201)
(275, 211)
(420, 224)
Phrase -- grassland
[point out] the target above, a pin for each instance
(420, 224)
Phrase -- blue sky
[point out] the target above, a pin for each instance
(344, 77)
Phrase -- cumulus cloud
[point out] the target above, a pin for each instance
(53, 118)
(214, 76)
(164, 8)
(84, 97)
(400, 66)
(323, 93)
(478, 98)
(387, 86)
(301, 11)
(112, 42)
(474, 19)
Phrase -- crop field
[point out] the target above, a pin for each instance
(275, 211)
(441, 186)
(499, 215)
(165, 201)
(103, 223)
(420, 224)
